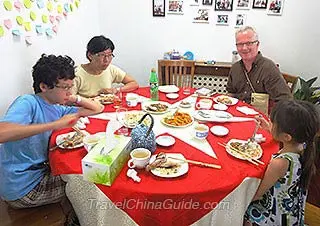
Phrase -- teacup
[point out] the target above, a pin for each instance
(132, 99)
(200, 131)
(204, 104)
(140, 158)
(90, 141)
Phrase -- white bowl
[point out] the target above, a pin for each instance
(219, 130)
(172, 95)
(165, 141)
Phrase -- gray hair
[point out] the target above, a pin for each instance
(247, 28)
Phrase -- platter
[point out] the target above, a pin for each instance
(70, 140)
(255, 152)
(105, 98)
(130, 119)
(178, 120)
(180, 169)
(156, 107)
(223, 99)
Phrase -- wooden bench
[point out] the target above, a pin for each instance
(49, 215)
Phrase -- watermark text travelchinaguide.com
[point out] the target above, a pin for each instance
(166, 204)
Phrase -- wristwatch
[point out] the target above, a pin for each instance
(78, 100)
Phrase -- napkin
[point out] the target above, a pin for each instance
(81, 123)
(203, 91)
(246, 110)
(111, 142)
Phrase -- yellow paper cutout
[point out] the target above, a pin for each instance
(45, 19)
(27, 26)
(71, 7)
(19, 20)
(49, 6)
(33, 16)
(7, 5)
(1, 31)
(59, 9)
(27, 4)
(77, 3)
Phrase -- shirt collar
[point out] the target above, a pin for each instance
(256, 61)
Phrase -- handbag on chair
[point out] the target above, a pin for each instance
(142, 135)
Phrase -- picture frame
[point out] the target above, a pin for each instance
(240, 20)
(222, 19)
(207, 2)
(223, 5)
(243, 4)
(159, 8)
(194, 2)
(275, 7)
(175, 7)
(202, 16)
(260, 4)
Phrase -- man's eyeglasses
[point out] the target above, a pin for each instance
(247, 43)
(65, 88)
(103, 55)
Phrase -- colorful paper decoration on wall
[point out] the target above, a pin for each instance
(30, 18)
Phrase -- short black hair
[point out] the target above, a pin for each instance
(98, 44)
(50, 68)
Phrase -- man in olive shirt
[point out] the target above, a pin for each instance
(262, 73)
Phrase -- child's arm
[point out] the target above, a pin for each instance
(276, 169)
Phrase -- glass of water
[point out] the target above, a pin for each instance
(121, 113)
(186, 85)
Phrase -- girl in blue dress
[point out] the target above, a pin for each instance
(281, 196)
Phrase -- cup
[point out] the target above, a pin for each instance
(200, 131)
(117, 99)
(132, 99)
(204, 104)
(140, 158)
(186, 86)
(90, 141)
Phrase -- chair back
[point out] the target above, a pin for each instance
(291, 81)
(176, 72)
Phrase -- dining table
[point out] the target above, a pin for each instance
(202, 196)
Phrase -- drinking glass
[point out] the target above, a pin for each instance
(120, 113)
(117, 99)
(186, 85)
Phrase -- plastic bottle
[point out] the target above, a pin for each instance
(154, 95)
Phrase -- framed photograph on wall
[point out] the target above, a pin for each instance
(207, 2)
(240, 20)
(222, 19)
(223, 5)
(158, 7)
(275, 7)
(260, 4)
(243, 4)
(175, 7)
(202, 16)
(194, 2)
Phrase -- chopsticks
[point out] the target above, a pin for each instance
(197, 163)
(78, 131)
(242, 154)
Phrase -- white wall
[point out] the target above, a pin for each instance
(17, 59)
(292, 40)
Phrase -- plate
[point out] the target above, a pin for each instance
(147, 104)
(223, 99)
(213, 116)
(130, 119)
(60, 138)
(220, 107)
(255, 153)
(165, 141)
(169, 89)
(177, 126)
(105, 98)
(172, 95)
(219, 131)
(179, 171)
(185, 104)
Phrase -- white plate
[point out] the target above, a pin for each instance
(169, 89)
(183, 126)
(184, 104)
(257, 155)
(60, 139)
(148, 103)
(165, 141)
(183, 169)
(219, 130)
(172, 95)
(103, 97)
(220, 107)
(246, 110)
(130, 119)
(213, 116)
(232, 100)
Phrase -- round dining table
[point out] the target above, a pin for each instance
(202, 196)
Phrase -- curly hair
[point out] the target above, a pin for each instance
(98, 44)
(50, 68)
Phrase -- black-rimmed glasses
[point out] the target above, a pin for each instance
(247, 43)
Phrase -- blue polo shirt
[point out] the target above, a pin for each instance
(17, 176)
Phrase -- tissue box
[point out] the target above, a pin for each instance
(103, 169)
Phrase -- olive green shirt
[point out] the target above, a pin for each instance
(265, 77)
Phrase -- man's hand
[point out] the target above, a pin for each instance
(66, 121)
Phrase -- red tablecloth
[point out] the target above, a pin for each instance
(179, 201)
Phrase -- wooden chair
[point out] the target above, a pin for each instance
(312, 215)
(176, 72)
(291, 81)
